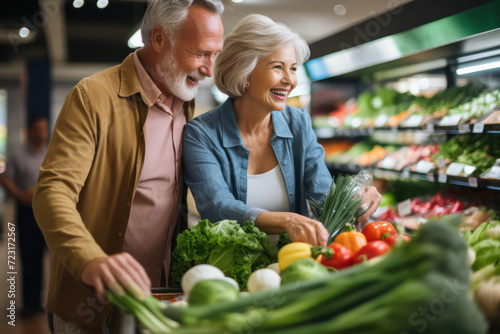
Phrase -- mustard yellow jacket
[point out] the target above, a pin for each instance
(87, 183)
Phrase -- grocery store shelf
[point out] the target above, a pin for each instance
(330, 133)
(405, 173)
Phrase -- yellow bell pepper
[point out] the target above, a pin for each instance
(299, 250)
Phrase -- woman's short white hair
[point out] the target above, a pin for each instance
(170, 15)
(254, 38)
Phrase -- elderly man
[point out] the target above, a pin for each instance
(109, 195)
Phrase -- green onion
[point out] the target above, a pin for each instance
(341, 205)
(146, 309)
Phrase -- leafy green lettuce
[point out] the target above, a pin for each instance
(234, 249)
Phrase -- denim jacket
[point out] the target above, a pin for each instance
(216, 161)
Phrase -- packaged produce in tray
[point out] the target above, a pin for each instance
(493, 172)
(407, 156)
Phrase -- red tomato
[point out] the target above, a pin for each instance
(377, 230)
(342, 257)
(391, 240)
(372, 249)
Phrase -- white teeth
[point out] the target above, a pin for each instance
(279, 92)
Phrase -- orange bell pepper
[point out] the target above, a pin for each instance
(351, 239)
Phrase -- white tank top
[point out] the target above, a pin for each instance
(268, 191)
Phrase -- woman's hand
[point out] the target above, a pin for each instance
(373, 197)
(115, 271)
(298, 227)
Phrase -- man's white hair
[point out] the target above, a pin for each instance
(254, 38)
(170, 15)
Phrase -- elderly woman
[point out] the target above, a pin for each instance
(255, 158)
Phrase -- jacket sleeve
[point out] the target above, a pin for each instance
(203, 175)
(62, 175)
(317, 177)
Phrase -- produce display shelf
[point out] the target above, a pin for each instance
(327, 133)
(405, 173)
(472, 182)
(493, 184)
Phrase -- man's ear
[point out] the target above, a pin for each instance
(159, 40)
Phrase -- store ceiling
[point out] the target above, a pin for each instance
(68, 35)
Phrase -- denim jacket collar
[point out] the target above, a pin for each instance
(230, 133)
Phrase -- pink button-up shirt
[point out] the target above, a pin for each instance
(157, 200)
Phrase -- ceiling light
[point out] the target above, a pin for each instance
(478, 68)
(339, 10)
(237, 1)
(136, 40)
(102, 3)
(78, 3)
(24, 32)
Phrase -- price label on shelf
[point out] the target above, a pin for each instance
(404, 208)
(381, 120)
(388, 163)
(478, 128)
(405, 173)
(472, 182)
(455, 169)
(414, 121)
(468, 170)
(463, 128)
(450, 120)
(430, 177)
(442, 178)
(441, 163)
(494, 172)
(430, 127)
(424, 167)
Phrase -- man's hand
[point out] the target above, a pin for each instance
(115, 271)
(373, 197)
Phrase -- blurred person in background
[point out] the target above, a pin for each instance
(255, 158)
(19, 181)
(110, 194)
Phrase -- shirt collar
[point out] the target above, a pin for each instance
(230, 133)
(151, 90)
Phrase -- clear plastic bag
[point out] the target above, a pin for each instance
(362, 180)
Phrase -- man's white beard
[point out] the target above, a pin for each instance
(174, 78)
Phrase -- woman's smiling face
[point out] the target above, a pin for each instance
(273, 79)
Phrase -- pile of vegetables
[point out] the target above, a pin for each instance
(438, 205)
(351, 247)
(474, 149)
(485, 261)
(383, 101)
(479, 106)
(443, 101)
(352, 153)
(429, 271)
(236, 250)
(485, 241)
